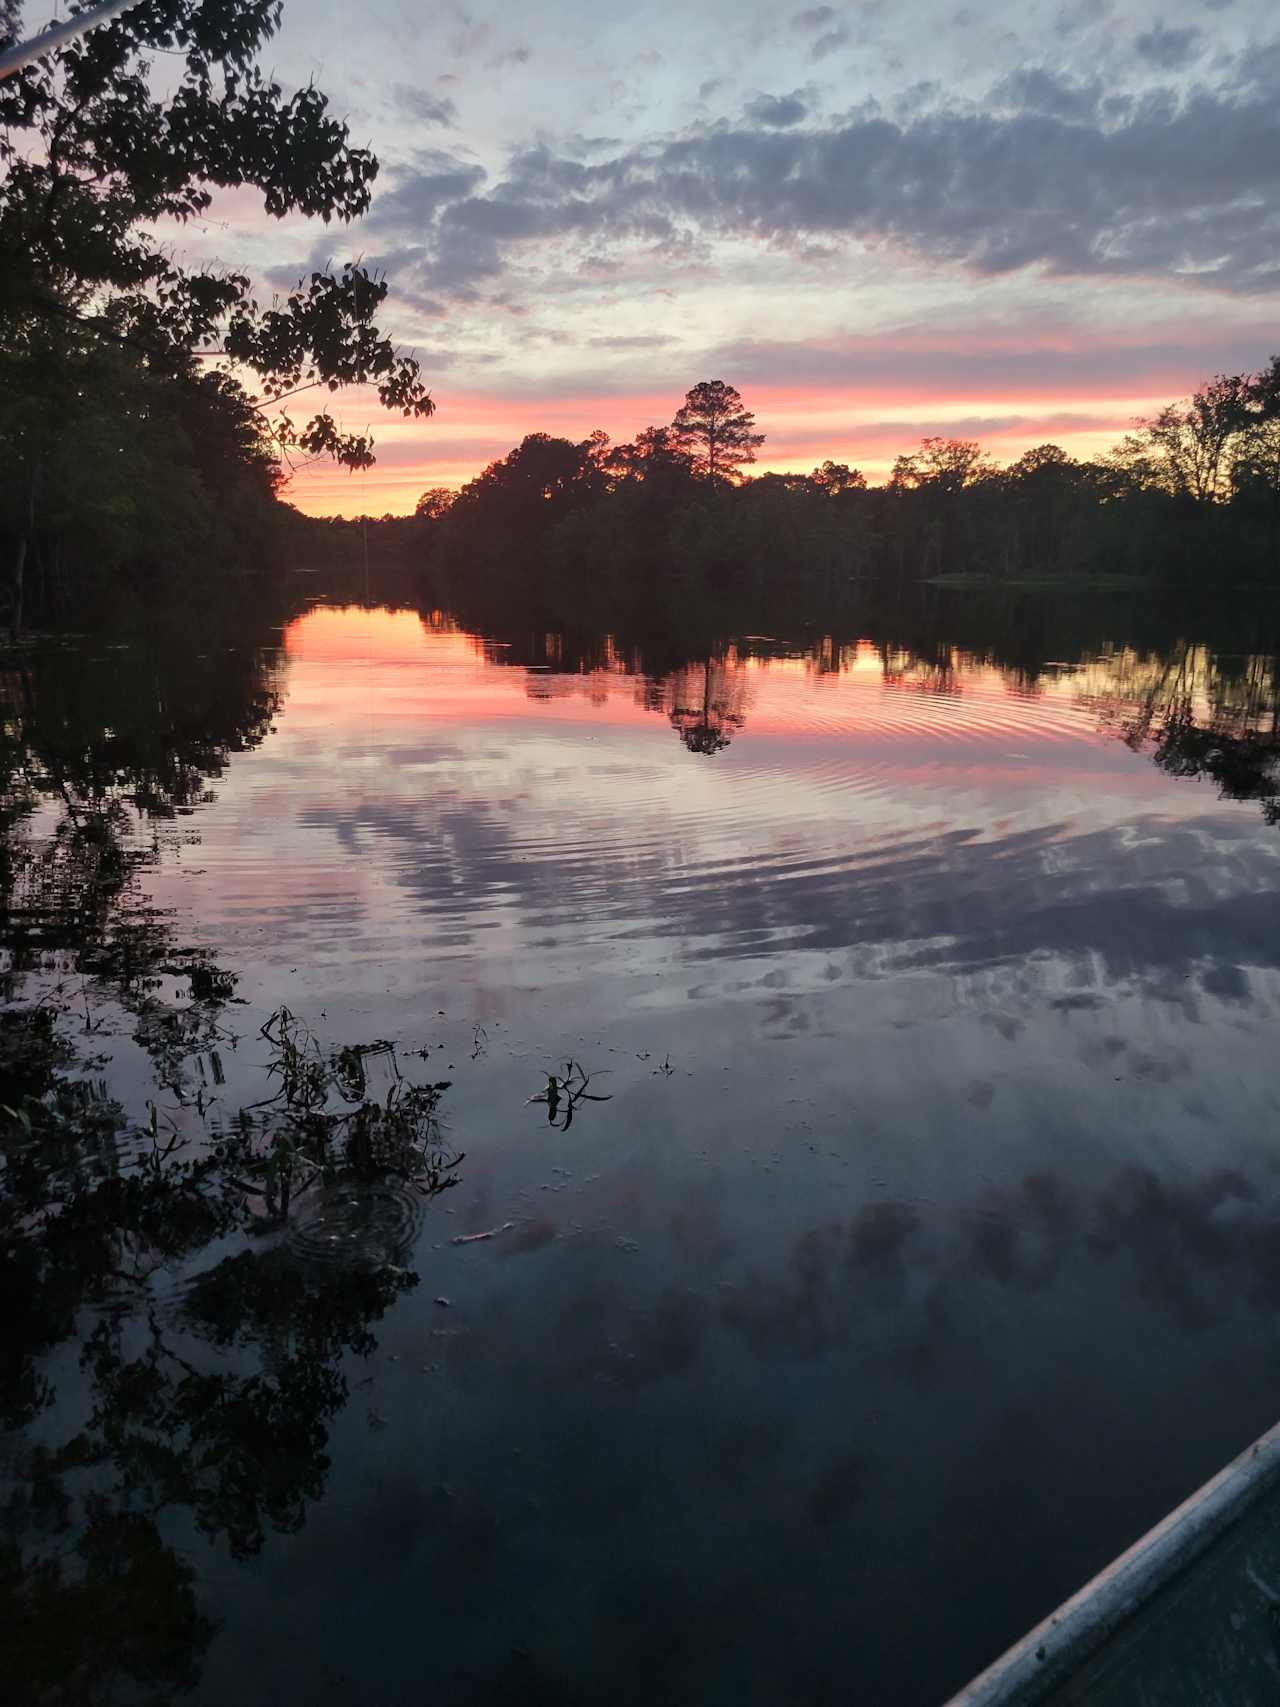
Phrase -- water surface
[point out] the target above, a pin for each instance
(926, 1250)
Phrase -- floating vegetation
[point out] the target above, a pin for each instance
(564, 1093)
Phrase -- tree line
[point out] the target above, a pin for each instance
(151, 411)
(1192, 494)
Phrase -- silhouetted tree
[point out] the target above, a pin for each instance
(93, 158)
(433, 503)
(1185, 449)
(833, 478)
(716, 430)
(1255, 468)
(942, 465)
(625, 521)
(655, 456)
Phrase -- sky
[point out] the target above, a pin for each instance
(1010, 222)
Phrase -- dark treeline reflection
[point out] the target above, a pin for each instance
(1204, 707)
(213, 1267)
(103, 753)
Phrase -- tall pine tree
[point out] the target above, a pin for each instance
(717, 432)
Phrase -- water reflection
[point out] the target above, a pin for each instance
(101, 758)
(1197, 710)
(1201, 715)
(211, 1370)
(1201, 1248)
(708, 705)
(211, 1363)
(931, 1196)
(872, 830)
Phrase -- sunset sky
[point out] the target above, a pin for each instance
(1007, 222)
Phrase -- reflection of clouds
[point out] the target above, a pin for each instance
(809, 1307)
(604, 1338)
(802, 1312)
(1202, 1247)
(1149, 904)
(1191, 1243)
(1020, 1237)
(974, 847)
(964, 1376)
(837, 1491)
(697, 1226)
(878, 1238)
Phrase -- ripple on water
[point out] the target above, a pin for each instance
(821, 781)
(356, 1224)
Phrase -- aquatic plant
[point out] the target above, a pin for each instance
(564, 1093)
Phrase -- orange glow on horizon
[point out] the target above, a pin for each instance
(804, 426)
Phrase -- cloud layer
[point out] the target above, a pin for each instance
(873, 217)
(1049, 173)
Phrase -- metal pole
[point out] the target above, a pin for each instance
(15, 58)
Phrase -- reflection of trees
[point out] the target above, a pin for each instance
(214, 1397)
(99, 759)
(1198, 714)
(707, 703)
(211, 1397)
(1210, 710)
(1245, 767)
(939, 672)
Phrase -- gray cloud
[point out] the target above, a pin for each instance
(1169, 49)
(1163, 185)
(424, 107)
(813, 19)
(828, 43)
(777, 112)
(933, 367)
(1035, 90)
(1079, 14)
(420, 191)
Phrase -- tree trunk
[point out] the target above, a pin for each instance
(20, 558)
(18, 586)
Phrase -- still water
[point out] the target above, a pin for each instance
(927, 1247)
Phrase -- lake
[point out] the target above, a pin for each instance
(926, 1248)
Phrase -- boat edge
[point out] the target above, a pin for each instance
(1058, 1646)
